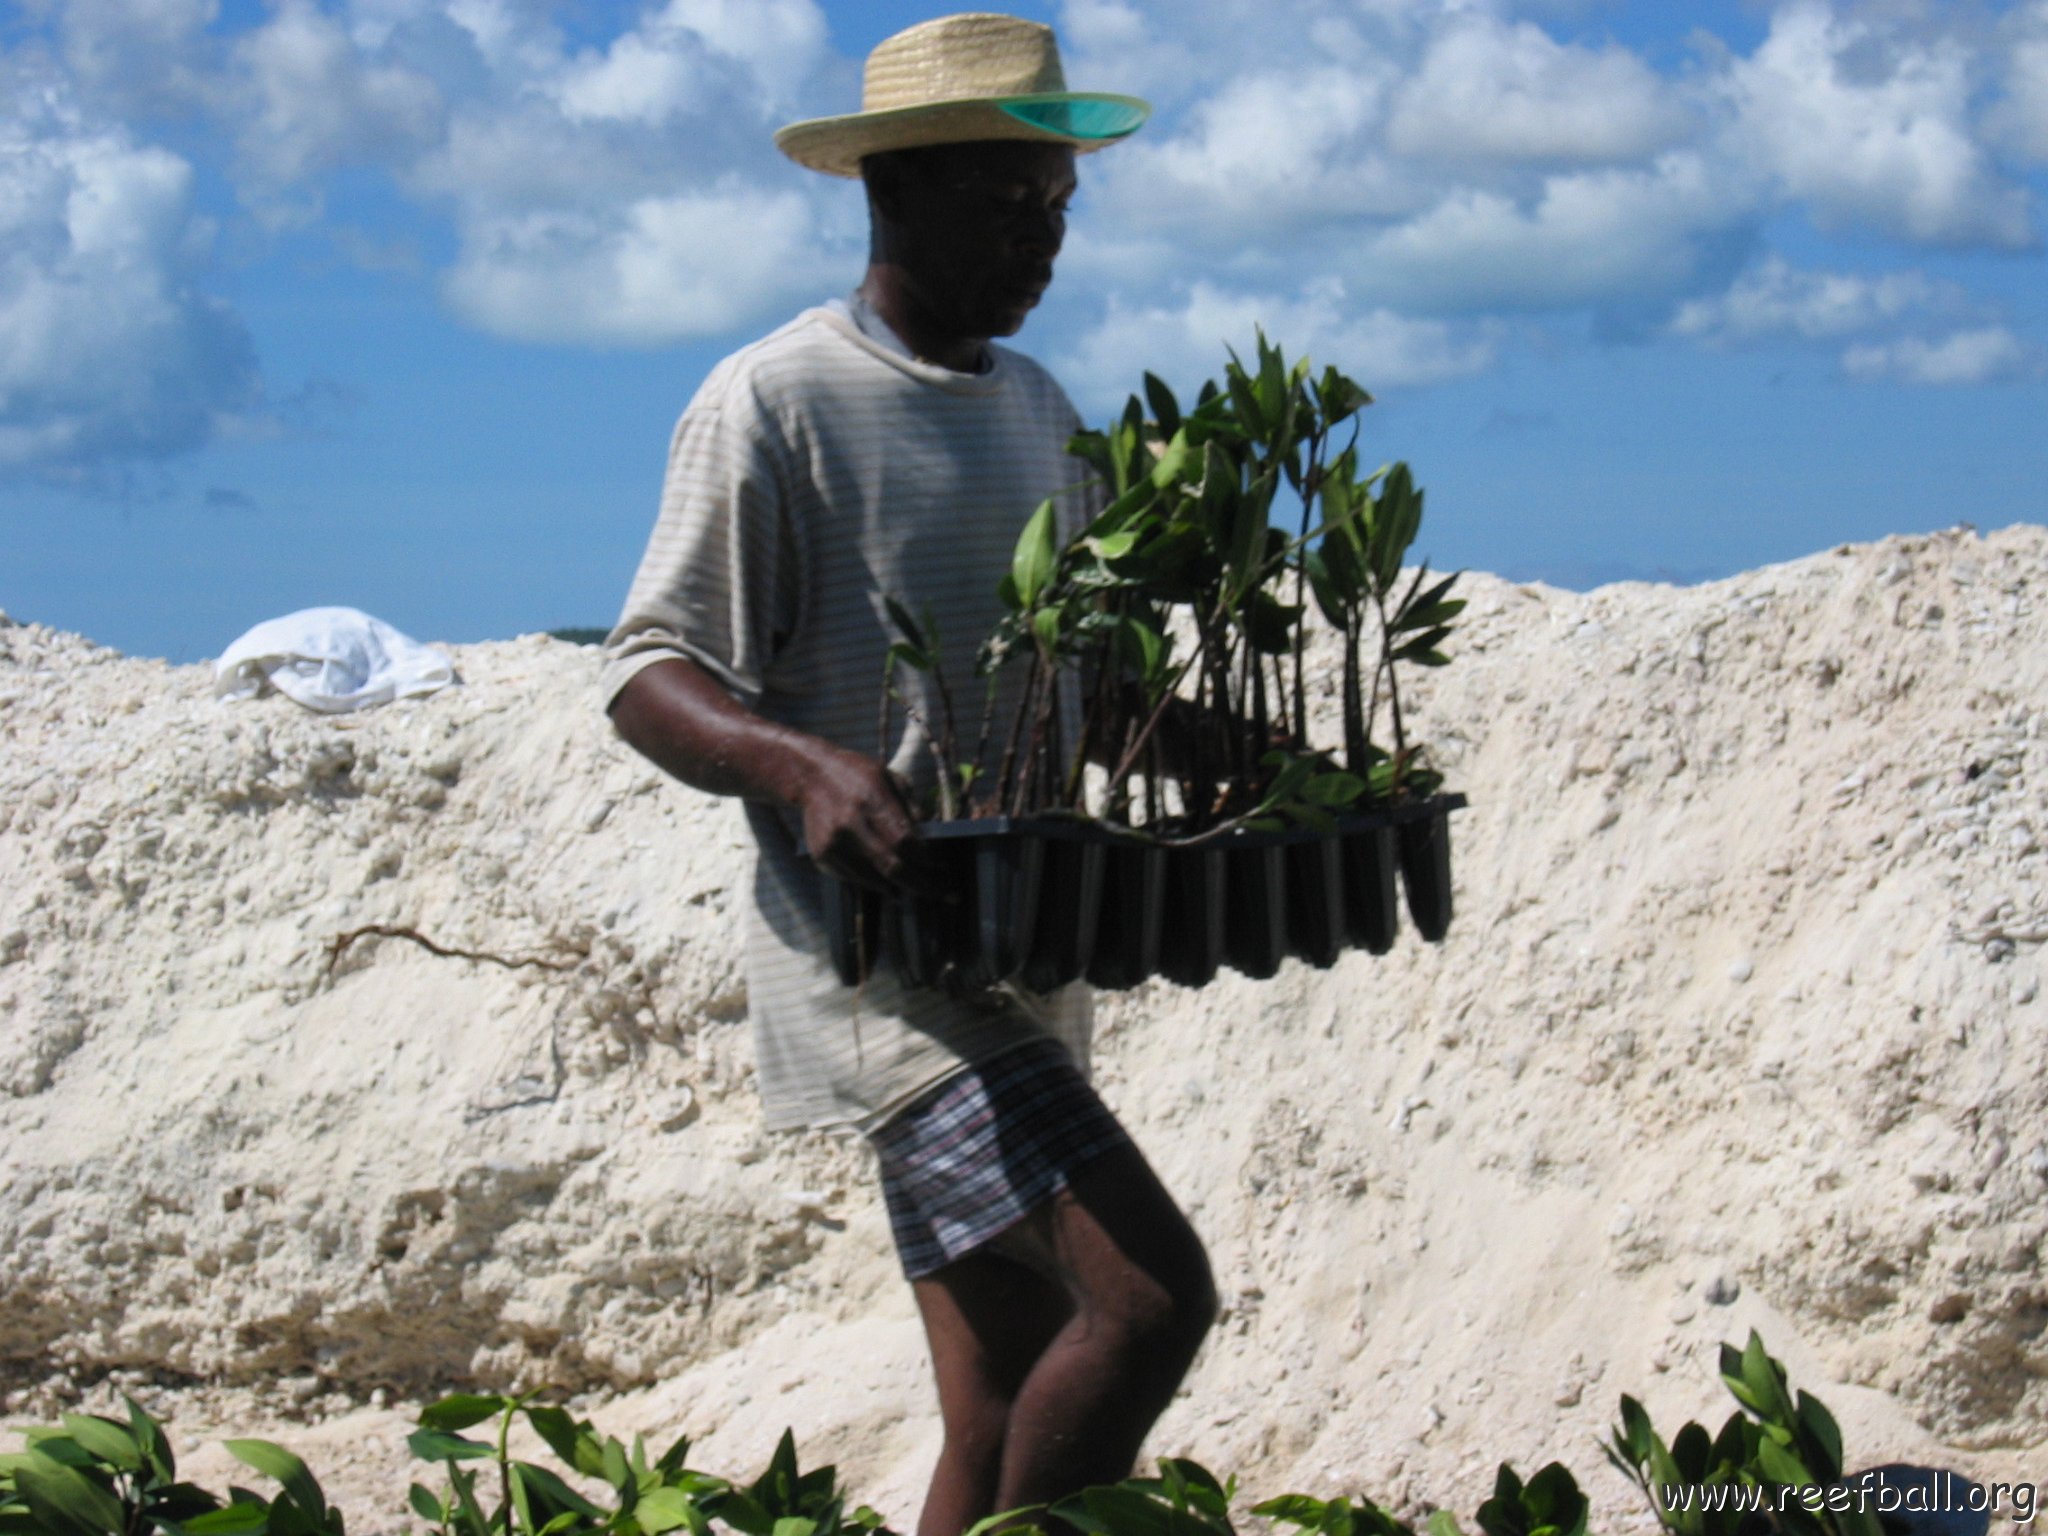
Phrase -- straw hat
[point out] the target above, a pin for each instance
(957, 79)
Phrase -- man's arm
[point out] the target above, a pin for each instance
(855, 822)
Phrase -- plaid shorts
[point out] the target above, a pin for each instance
(979, 1151)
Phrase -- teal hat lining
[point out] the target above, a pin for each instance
(1091, 118)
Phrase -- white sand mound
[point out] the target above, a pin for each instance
(1739, 1023)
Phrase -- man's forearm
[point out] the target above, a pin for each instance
(855, 821)
(674, 714)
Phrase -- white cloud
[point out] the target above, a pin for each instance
(665, 269)
(1776, 300)
(694, 55)
(1982, 356)
(1590, 238)
(1489, 90)
(2020, 119)
(1274, 152)
(1871, 127)
(316, 101)
(138, 55)
(1184, 342)
(108, 350)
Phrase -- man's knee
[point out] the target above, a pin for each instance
(1161, 1315)
(1194, 1307)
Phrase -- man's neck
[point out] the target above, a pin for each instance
(929, 342)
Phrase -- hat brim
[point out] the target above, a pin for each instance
(1084, 121)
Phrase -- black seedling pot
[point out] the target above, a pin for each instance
(1425, 853)
(1131, 914)
(853, 927)
(1371, 898)
(1315, 899)
(1068, 923)
(1255, 904)
(1191, 937)
(926, 936)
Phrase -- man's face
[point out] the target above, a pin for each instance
(981, 225)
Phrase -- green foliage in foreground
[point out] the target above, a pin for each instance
(99, 1476)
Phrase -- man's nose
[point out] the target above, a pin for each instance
(1041, 231)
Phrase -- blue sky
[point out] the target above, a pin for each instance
(393, 303)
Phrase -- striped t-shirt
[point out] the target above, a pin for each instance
(816, 473)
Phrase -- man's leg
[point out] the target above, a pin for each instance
(1059, 1344)
(1143, 1301)
(988, 1319)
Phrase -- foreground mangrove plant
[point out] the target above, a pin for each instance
(1775, 1469)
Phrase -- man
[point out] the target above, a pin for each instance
(885, 447)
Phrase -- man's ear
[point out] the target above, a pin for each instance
(887, 187)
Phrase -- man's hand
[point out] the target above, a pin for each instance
(856, 821)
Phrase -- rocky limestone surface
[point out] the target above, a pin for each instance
(343, 1061)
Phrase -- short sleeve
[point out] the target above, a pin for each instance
(720, 583)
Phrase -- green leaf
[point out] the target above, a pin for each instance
(1333, 789)
(671, 1460)
(1765, 1379)
(1177, 463)
(1294, 1509)
(177, 1501)
(1553, 1498)
(558, 1430)
(1004, 1520)
(149, 1435)
(425, 1504)
(1119, 1510)
(53, 1444)
(1045, 626)
(1693, 1449)
(104, 1440)
(666, 1509)
(612, 1465)
(1783, 1465)
(433, 1445)
(1036, 556)
(1269, 624)
(1165, 409)
(909, 655)
(553, 1492)
(1328, 595)
(1442, 1522)
(908, 628)
(1824, 1433)
(459, 1410)
(67, 1501)
(742, 1513)
(794, 1525)
(279, 1464)
(1144, 649)
(233, 1520)
(1634, 1433)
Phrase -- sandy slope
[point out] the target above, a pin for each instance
(1739, 1024)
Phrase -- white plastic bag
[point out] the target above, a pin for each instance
(330, 659)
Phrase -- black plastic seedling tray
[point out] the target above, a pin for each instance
(1048, 900)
